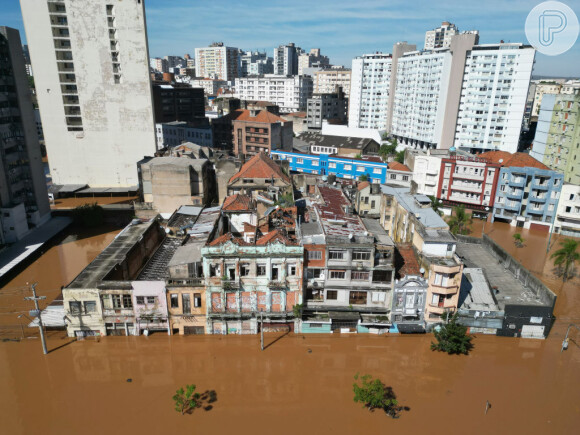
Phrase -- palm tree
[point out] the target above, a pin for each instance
(518, 240)
(566, 257)
(436, 205)
(460, 222)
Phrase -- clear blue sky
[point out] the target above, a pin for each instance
(341, 29)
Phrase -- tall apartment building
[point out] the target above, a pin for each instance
(369, 91)
(440, 37)
(493, 97)
(93, 88)
(328, 81)
(23, 195)
(255, 63)
(291, 94)
(286, 59)
(218, 62)
(541, 88)
(177, 102)
(309, 60)
(330, 107)
(561, 142)
(159, 64)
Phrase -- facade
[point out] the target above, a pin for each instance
(286, 59)
(399, 175)
(23, 194)
(311, 59)
(170, 134)
(349, 271)
(444, 284)
(328, 107)
(368, 199)
(541, 88)
(440, 37)
(567, 220)
(328, 81)
(94, 89)
(210, 86)
(527, 191)
(343, 146)
(158, 64)
(409, 296)
(255, 63)
(259, 131)
(290, 93)
(342, 167)
(493, 97)
(177, 102)
(544, 122)
(562, 149)
(369, 91)
(218, 62)
(425, 165)
(170, 182)
(471, 181)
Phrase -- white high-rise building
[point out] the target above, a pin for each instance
(291, 94)
(312, 59)
(369, 91)
(328, 81)
(256, 63)
(440, 37)
(218, 62)
(493, 97)
(286, 59)
(91, 66)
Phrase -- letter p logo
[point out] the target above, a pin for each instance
(550, 22)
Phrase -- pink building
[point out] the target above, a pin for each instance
(150, 305)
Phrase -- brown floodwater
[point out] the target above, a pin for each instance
(299, 384)
(101, 200)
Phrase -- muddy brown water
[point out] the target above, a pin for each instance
(299, 384)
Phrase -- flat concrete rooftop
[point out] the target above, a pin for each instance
(510, 290)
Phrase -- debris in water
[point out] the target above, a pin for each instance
(129, 380)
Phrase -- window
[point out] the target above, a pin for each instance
(405, 178)
(359, 276)
(315, 255)
(186, 303)
(347, 167)
(376, 170)
(174, 300)
(299, 161)
(313, 273)
(214, 270)
(244, 269)
(331, 295)
(332, 165)
(336, 255)
(140, 300)
(372, 204)
(357, 298)
(314, 162)
(127, 302)
(361, 255)
(337, 274)
(116, 301)
(90, 307)
(197, 300)
(75, 307)
(291, 270)
(360, 168)
(261, 270)
(151, 299)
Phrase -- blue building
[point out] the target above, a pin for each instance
(527, 192)
(342, 167)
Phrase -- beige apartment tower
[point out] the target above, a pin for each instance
(92, 80)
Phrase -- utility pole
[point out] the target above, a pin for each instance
(261, 330)
(40, 326)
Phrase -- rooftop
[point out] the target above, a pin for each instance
(375, 229)
(475, 293)
(238, 202)
(177, 161)
(333, 218)
(261, 166)
(396, 166)
(261, 116)
(406, 262)
(521, 160)
(315, 138)
(156, 267)
(413, 204)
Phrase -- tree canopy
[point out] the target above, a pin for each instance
(452, 337)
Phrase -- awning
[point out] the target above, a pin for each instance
(343, 315)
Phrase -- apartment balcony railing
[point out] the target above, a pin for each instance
(468, 176)
(476, 189)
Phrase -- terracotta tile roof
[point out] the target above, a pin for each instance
(405, 261)
(237, 202)
(261, 166)
(249, 228)
(273, 236)
(261, 116)
(362, 185)
(396, 166)
(520, 160)
(226, 238)
(296, 115)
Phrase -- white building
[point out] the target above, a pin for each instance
(158, 64)
(538, 149)
(170, 134)
(567, 220)
(327, 81)
(93, 86)
(493, 97)
(286, 59)
(255, 63)
(312, 59)
(217, 62)
(369, 91)
(421, 88)
(210, 86)
(291, 94)
(440, 37)
(425, 165)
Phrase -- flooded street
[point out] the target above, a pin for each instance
(81, 387)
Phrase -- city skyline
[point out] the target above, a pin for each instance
(373, 26)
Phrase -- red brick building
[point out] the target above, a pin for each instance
(256, 131)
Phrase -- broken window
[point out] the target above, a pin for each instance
(127, 302)
(291, 270)
(275, 273)
(197, 300)
(151, 299)
(357, 298)
(231, 272)
(315, 295)
(140, 300)
(90, 307)
(261, 270)
(214, 270)
(75, 307)
(244, 269)
(186, 303)
(116, 301)
(107, 304)
(382, 276)
(174, 301)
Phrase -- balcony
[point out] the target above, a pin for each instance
(538, 199)
(228, 284)
(464, 199)
(466, 188)
(535, 210)
(468, 176)
(118, 312)
(543, 186)
(449, 289)
(282, 284)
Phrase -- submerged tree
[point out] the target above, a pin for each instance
(89, 215)
(566, 257)
(452, 337)
(460, 222)
(518, 240)
(187, 399)
(373, 394)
